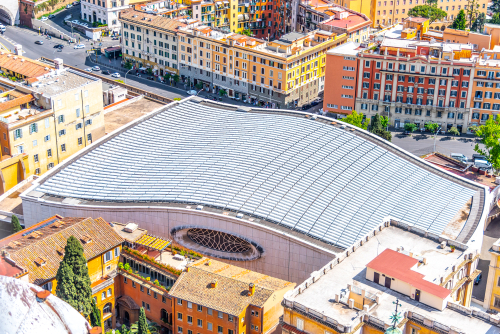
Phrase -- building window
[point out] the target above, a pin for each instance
(163, 299)
(35, 157)
(89, 138)
(179, 329)
(200, 308)
(497, 302)
(80, 141)
(200, 323)
(109, 292)
(190, 305)
(62, 132)
(142, 288)
(133, 284)
(37, 171)
(220, 314)
(124, 280)
(209, 311)
(179, 301)
(103, 295)
(219, 329)
(300, 324)
(189, 319)
(63, 148)
(108, 256)
(18, 133)
(209, 326)
(179, 316)
(155, 295)
(46, 138)
(49, 152)
(60, 119)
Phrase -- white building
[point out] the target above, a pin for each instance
(103, 11)
(276, 193)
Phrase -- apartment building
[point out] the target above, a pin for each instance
(150, 41)
(49, 116)
(34, 255)
(105, 11)
(283, 73)
(326, 16)
(394, 264)
(214, 297)
(485, 84)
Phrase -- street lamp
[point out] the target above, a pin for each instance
(435, 136)
(125, 76)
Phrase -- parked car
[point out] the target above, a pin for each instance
(478, 156)
(88, 69)
(84, 24)
(96, 68)
(76, 3)
(80, 46)
(478, 279)
(51, 16)
(116, 75)
(192, 92)
(2, 28)
(483, 164)
(460, 157)
(75, 22)
(105, 72)
(39, 42)
(58, 46)
(67, 17)
(69, 6)
(306, 106)
(314, 103)
(44, 18)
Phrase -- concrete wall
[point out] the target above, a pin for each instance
(284, 256)
(9, 12)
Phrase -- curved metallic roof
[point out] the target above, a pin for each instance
(306, 175)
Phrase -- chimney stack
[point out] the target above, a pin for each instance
(58, 62)
(19, 50)
(251, 289)
(213, 284)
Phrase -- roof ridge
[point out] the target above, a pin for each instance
(233, 279)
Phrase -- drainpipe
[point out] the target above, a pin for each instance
(55, 129)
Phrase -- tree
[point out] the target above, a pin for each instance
(454, 131)
(478, 25)
(141, 326)
(199, 85)
(495, 19)
(16, 226)
(74, 289)
(432, 127)
(356, 119)
(376, 124)
(176, 78)
(472, 11)
(149, 70)
(460, 23)
(167, 76)
(410, 127)
(95, 315)
(495, 7)
(222, 92)
(489, 133)
(385, 121)
(247, 32)
(428, 11)
(128, 65)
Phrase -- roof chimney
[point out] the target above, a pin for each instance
(58, 62)
(18, 50)
(213, 284)
(251, 289)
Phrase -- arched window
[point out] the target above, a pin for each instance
(109, 292)
(103, 295)
(164, 315)
(107, 308)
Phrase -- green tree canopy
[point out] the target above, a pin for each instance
(75, 289)
(16, 226)
(472, 11)
(428, 11)
(454, 131)
(385, 121)
(460, 23)
(489, 133)
(410, 127)
(432, 127)
(478, 25)
(356, 119)
(378, 126)
(495, 7)
(95, 315)
(495, 19)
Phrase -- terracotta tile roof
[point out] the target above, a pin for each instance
(24, 66)
(41, 251)
(398, 265)
(231, 293)
(17, 101)
(151, 20)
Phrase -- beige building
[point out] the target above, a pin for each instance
(65, 116)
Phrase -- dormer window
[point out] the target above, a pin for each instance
(86, 239)
(40, 261)
(60, 250)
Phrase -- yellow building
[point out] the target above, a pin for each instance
(429, 277)
(492, 294)
(34, 255)
(66, 116)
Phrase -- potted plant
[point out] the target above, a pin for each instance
(452, 248)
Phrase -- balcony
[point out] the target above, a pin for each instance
(478, 98)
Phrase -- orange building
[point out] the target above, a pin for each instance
(215, 297)
(340, 90)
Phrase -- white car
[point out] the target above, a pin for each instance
(192, 92)
(80, 46)
(88, 69)
(116, 75)
(69, 6)
(43, 18)
(67, 17)
(96, 68)
(75, 22)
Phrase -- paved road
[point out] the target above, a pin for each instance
(421, 144)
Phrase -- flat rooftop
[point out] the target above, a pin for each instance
(128, 236)
(60, 81)
(320, 295)
(309, 177)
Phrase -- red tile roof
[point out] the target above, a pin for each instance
(18, 101)
(9, 269)
(398, 265)
(24, 66)
(351, 21)
(417, 19)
